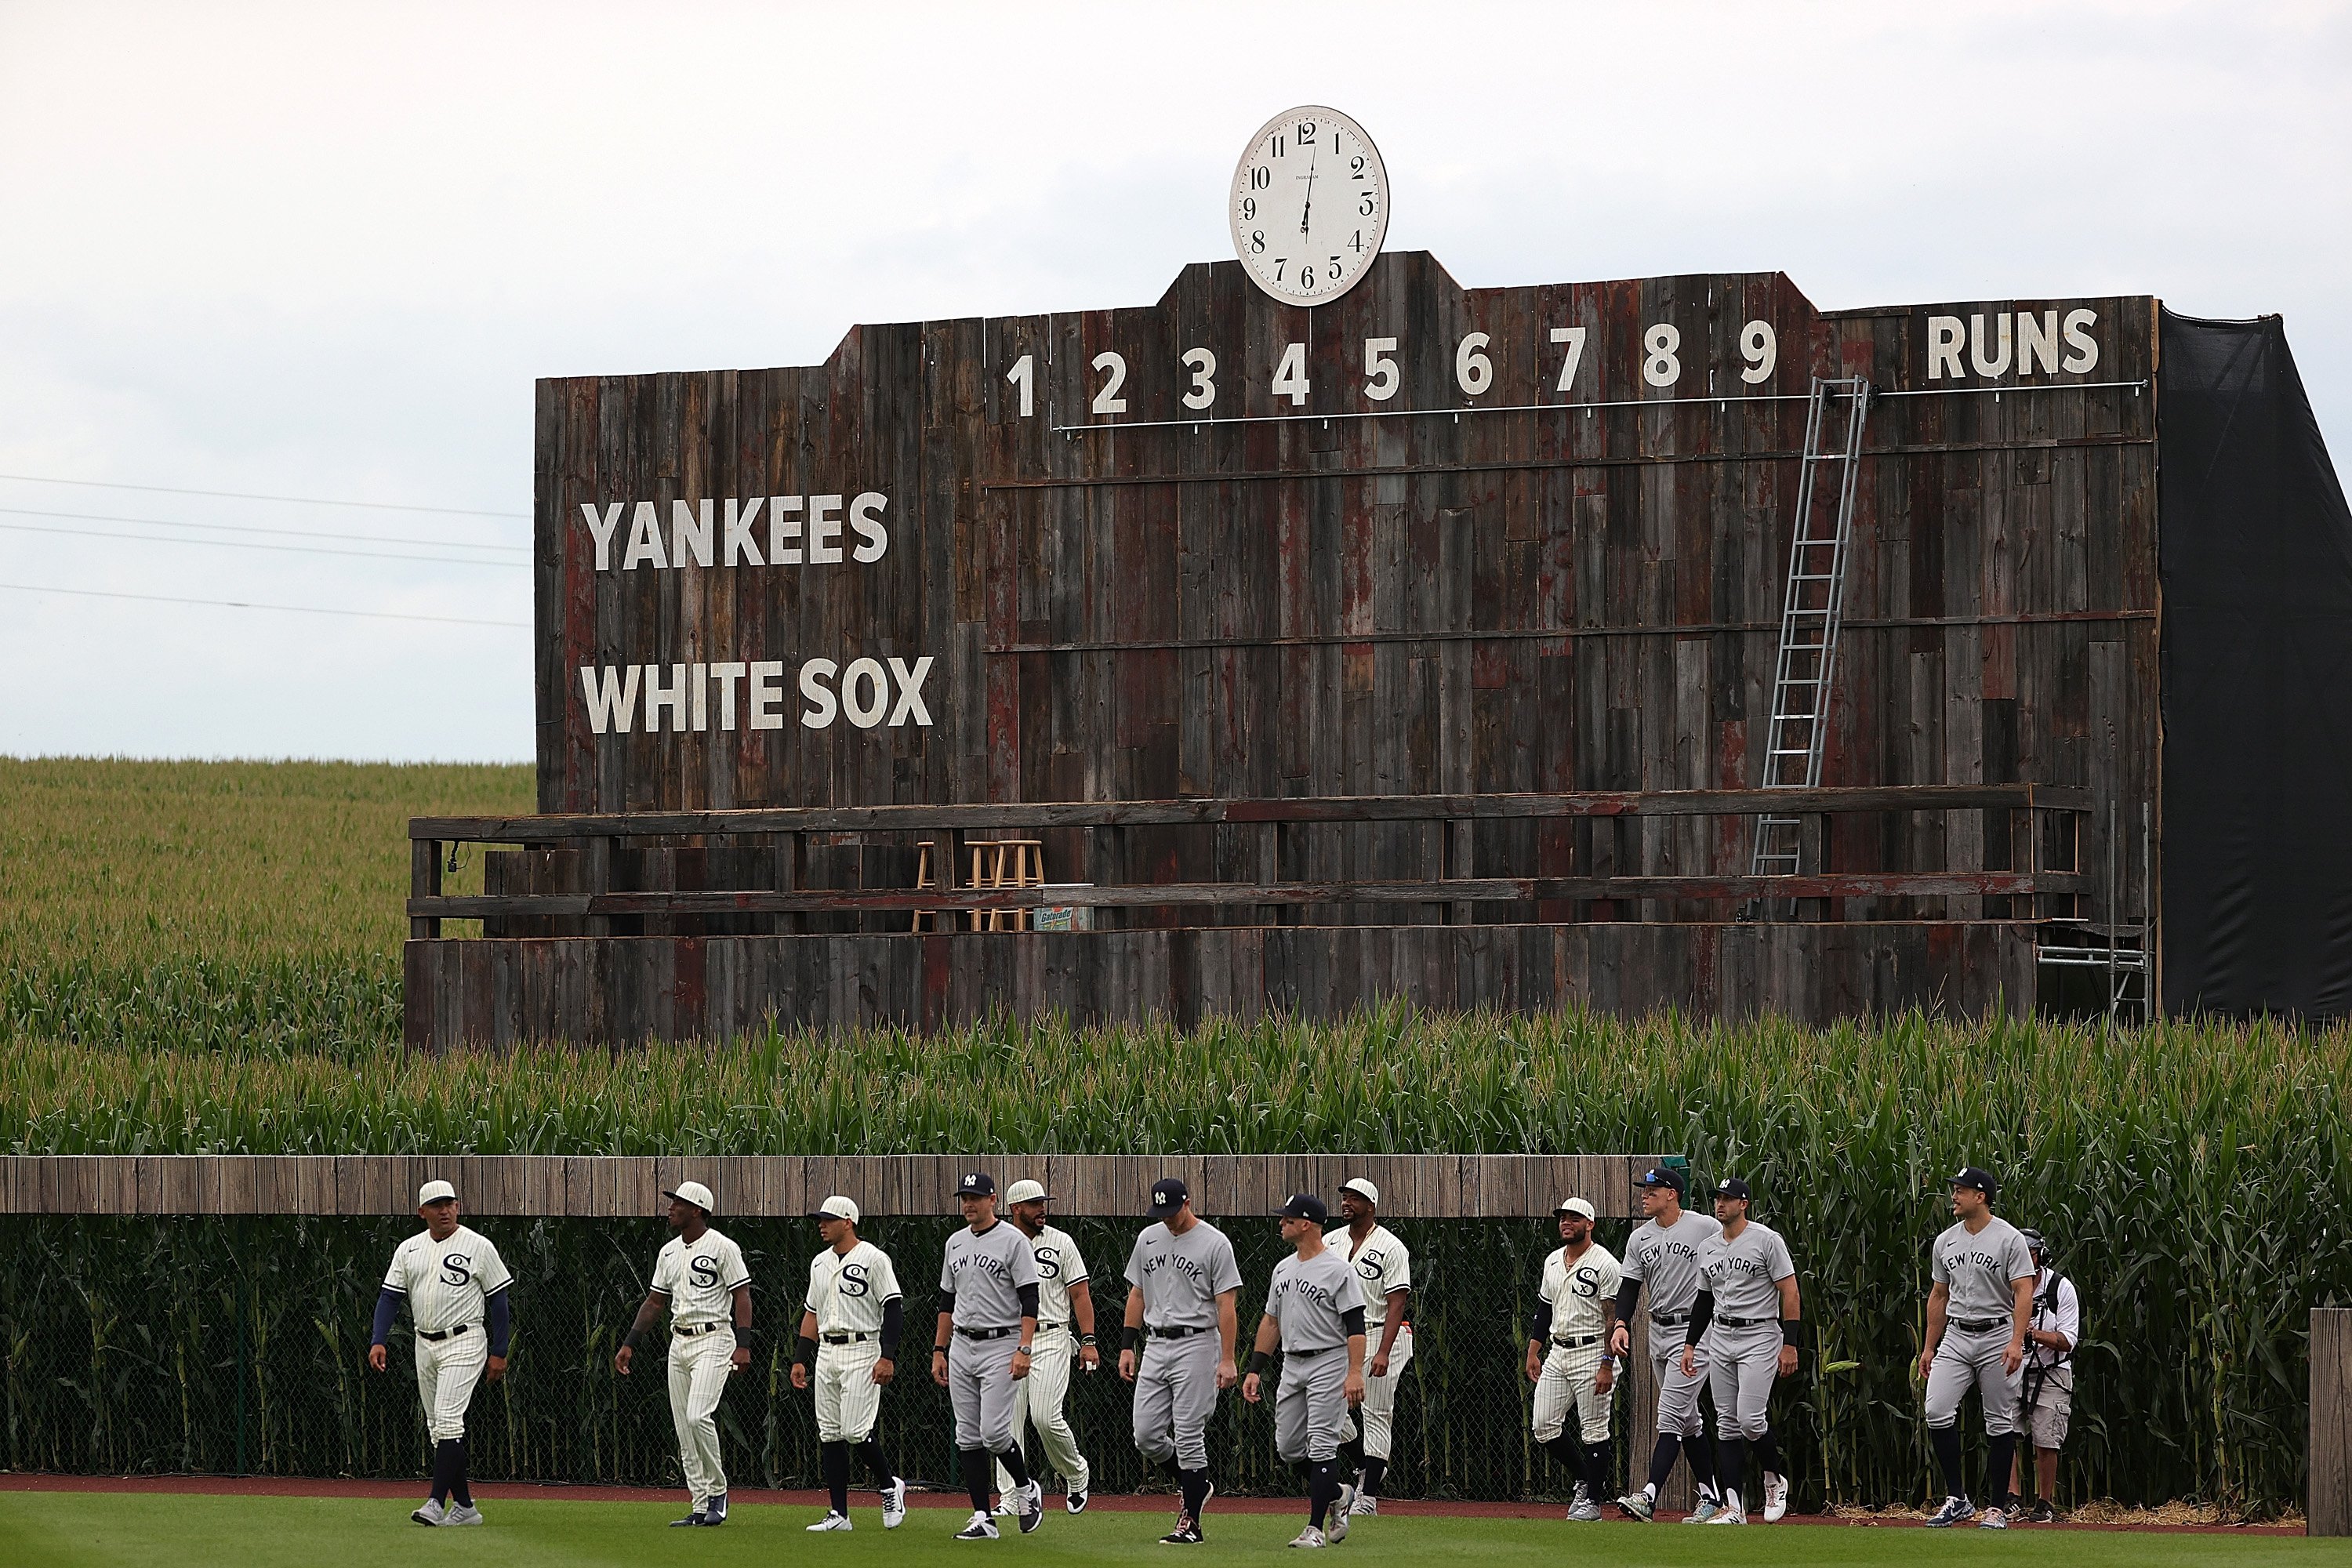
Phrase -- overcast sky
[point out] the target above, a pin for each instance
(323, 251)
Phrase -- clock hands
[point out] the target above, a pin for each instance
(1308, 210)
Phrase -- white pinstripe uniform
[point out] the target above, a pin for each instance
(446, 1284)
(846, 1294)
(700, 1281)
(1576, 1292)
(1384, 1264)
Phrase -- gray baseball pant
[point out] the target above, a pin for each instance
(980, 1383)
(1678, 1411)
(1175, 1394)
(1964, 1359)
(1741, 1365)
(1310, 1407)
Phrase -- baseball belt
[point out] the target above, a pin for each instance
(1044, 1328)
(1979, 1325)
(1670, 1319)
(1310, 1354)
(437, 1336)
(1575, 1341)
(694, 1330)
(1174, 1334)
(847, 1339)
(1740, 1323)
(985, 1333)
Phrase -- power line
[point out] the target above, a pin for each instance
(247, 495)
(252, 545)
(251, 528)
(244, 604)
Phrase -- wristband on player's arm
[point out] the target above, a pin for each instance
(1259, 1360)
(1790, 1331)
(1702, 1313)
(1133, 1340)
(804, 1351)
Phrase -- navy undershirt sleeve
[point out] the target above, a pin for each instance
(1028, 1300)
(894, 1322)
(1352, 1320)
(501, 1322)
(387, 1307)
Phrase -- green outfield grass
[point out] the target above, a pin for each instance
(54, 1530)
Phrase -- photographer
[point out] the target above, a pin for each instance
(2045, 1383)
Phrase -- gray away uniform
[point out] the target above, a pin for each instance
(1176, 1383)
(1666, 1260)
(1743, 1339)
(1980, 1272)
(985, 1269)
(1309, 1298)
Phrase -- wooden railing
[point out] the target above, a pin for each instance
(2042, 843)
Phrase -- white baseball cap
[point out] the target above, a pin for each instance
(696, 1194)
(1025, 1192)
(1362, 1189)
(837, 1207)
(1575, 1206)
(434, 1193)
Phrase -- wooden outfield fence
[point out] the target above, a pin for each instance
(2329, 1506)
(1421, 1187)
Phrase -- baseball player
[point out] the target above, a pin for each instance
(1575, 1370)
(1064, 1303)
(1314, 1311)
(2046, 1383)
(1977, 1315)
(700, 1278)
(1744, 1323)
(1663, 1254)
(986, 1337)
(1385, 1266)
(455, 1283)
(850, 1329)
(1182, 1284)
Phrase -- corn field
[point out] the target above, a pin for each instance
(2192, 1177)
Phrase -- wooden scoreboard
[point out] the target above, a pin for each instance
(1413, 640)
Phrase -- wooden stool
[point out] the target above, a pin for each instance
(1006, 863)
(941, 920)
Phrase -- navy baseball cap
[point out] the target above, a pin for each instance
(1976, 1177)
(1306, 1206)
(977, 1185)
(1657, 1176)
(1732, 1187)
(1168, 1195)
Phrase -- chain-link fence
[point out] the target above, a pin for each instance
(238, 1345)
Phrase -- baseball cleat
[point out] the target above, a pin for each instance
(893, 1504)
(463, 1513)
(1585, 1511)
(1729, 1515)
(1992, 1518)
(1708, 1509)
(1776, 1496)
(832, 1521)
(1311, 1536)
(2044, 1512)
(1342, 1511)
(980, 1528)
(1366, 1505)
(1186, 1534)
(1076, 1501)
(433, 1512)
(1638, 1505)
(689, 1519)
(1004, 1509)
(714, 1510)
(1032, 1506)
(1956, 1510)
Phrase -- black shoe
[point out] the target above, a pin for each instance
(1186, 1534)
(2043, 1514)
(691, 1520)
(1076, 1502)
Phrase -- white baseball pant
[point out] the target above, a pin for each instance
(447, 1372)
(1565, 1384)
(1377, 1415)
(1741, 1365)
(1038, 1400)
(848, 1400)
(698, 1377)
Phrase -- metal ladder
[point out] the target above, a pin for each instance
(1812, 609)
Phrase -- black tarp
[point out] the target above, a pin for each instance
(2255, 546)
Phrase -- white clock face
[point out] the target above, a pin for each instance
(1311, 205)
